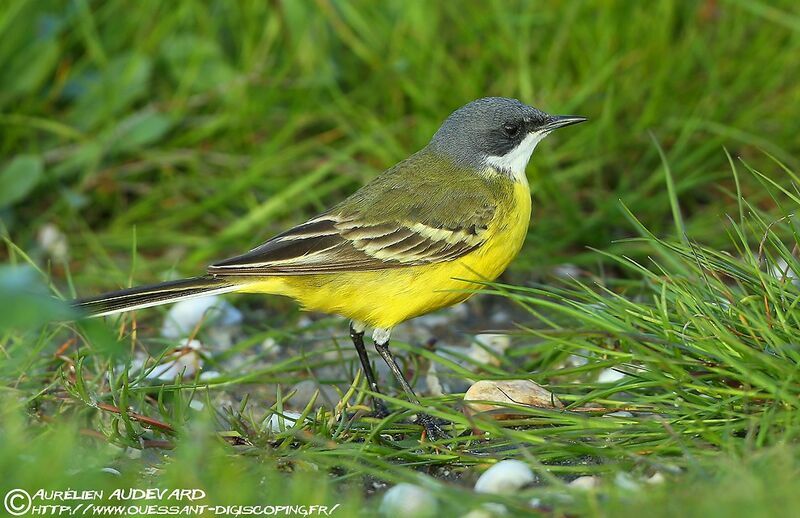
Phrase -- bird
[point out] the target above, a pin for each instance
(422, 235)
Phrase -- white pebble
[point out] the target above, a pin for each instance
(133, 453)
(621, 413)
(610, 376)
(194, 345)
(657, 478)
(289, 419)
(567, 271)
(270, 347)
(409, 500)
(184, 316)
(782, 271)
(138, 362)
(488, 510)
(626, 481)
(578, 360)
(53, 241)
(209, 375)
(432, 381)
(222, 338)
(184, 361)
(586, 483)
(505, 478)
(304, 321)
(488, 347)
(500, 317)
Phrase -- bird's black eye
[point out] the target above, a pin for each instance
(511, 129)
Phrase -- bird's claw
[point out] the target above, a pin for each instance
(379, 410)
(433, 431)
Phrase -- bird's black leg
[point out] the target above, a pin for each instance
(357, 336)
(381, 339)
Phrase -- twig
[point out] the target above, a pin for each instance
(149, 421)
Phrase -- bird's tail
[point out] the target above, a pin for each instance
(153, 295)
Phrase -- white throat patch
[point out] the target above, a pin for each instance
(515, 161)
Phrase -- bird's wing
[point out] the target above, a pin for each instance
(402, 218)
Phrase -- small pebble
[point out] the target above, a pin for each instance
(621, 413)
(271, 348)
(567, 271)
(782, 271)
(184, 316)
(184, 361)
(657, 478)
(53, 241)
(500, 317)
(221, 338)
(133, 453)
(577, 360)
(488, 348)
(517, 392)
(610, 376)
(488, 510)
(432, 381)
(505, 478)
(209, 375)
(289, 418)
(585, 483)
(408, 500)
(304, 321)
(112, 471)
(626, 481)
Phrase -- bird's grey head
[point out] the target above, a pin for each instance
(496, 132)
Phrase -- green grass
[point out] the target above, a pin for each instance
(158, 137)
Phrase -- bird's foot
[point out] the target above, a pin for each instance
(379, 410)
(433, 430)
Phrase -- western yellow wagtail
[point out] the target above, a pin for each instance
(405, 244)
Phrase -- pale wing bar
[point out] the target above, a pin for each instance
(328, 244)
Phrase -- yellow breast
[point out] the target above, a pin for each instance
(384, 298)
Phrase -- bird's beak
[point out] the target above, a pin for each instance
(559, 121)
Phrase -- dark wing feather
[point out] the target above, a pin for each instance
(386, 224)
(328, 246)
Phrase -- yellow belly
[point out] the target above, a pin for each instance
(384, 298)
